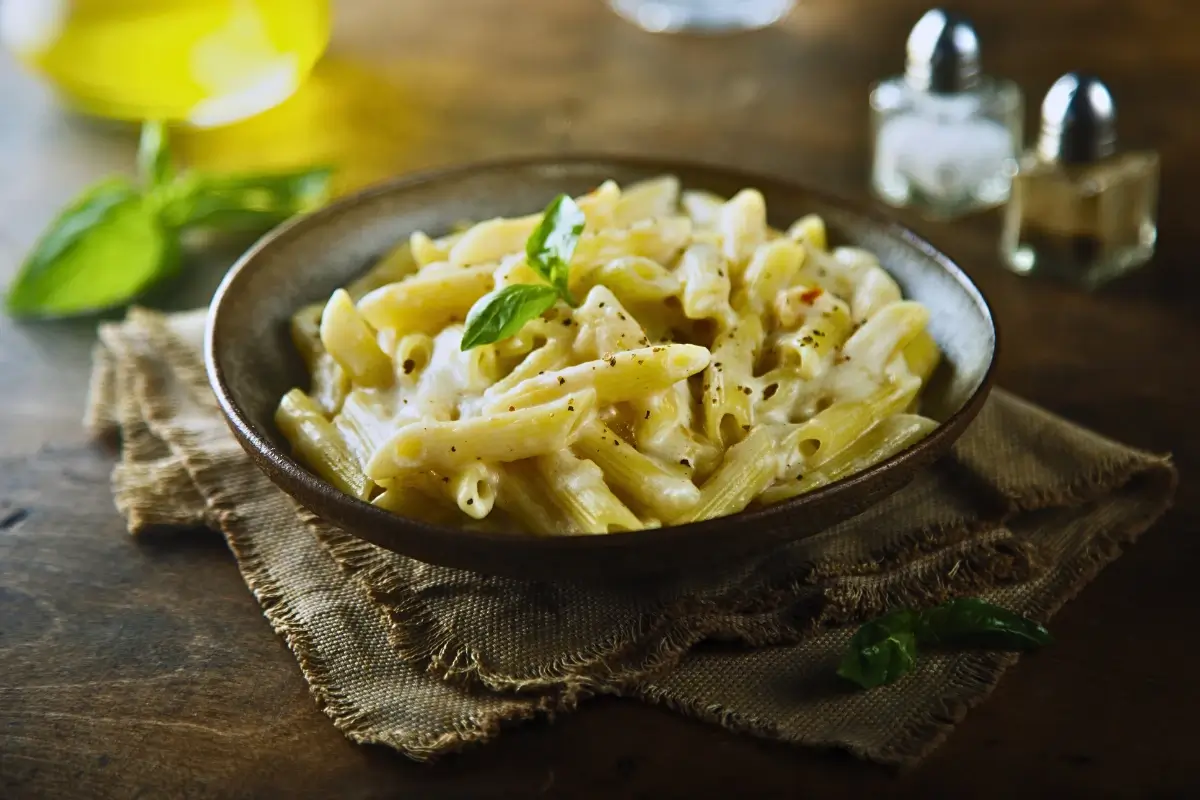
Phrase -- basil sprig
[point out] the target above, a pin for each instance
(884, 649)
(503, 312)
(120, 237)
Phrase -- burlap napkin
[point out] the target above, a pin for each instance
(426, 659)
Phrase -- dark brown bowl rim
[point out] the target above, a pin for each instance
(314, 492)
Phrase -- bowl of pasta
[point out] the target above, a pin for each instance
(594, 367)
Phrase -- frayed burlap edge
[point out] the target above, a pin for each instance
(212, 477)
(976, 674)
(660, 639)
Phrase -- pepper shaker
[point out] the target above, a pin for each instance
(1081, 211)
(946, 136)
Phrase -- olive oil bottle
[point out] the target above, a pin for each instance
(202, 62)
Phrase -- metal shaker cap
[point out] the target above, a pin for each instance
(1079, 121)
(943, 54)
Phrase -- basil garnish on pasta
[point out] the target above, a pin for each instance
(500, 314)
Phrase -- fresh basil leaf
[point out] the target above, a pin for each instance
(975, 623)
(881, 651)
(103, 250)
(551, 245)
(154, 155)
(245, 202)
(502, 313)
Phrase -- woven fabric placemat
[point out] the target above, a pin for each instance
(425, 659)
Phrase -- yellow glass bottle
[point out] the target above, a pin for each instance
(204, 62)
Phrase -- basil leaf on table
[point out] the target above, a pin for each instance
(105, 248)
(550, 247)
(502, 313)
(881, 650)
(154, 155)
(118, 238)
(245, 202)
(886, 648)
(972, 622)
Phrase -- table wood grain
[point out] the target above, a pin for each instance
(146, 669)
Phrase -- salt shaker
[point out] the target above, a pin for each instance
(1080, 210)
(946, 136)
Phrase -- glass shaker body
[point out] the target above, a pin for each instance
(945, 155)
(1082, 223)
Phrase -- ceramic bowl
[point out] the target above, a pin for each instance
(251, 361)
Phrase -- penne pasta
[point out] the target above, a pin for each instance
(749, 467)
(615, 379)
(729, 388)
(429, 300)
(576, 486)
(318, 443)
(659, 489)
(743, 227)
(347, 337)
(883, 441)
(772, 269)
(649, 199)
(507, 436)
(679, 360)
(704, 277)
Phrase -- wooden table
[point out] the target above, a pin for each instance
(147, 669)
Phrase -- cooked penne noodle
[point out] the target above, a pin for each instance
(576, 486)
(615, 379)
(773, 268)
(306, 333)
(812, 443)
(605, 326)
(635, 278)
(410, 501)
(548, 358)
(599, 207)
(426, 251)
(661, 490)
(649, 199)
(809, 230)
(749, 467)
(473, 488)
(524, 495)
(330, 383)
(429, 300)
(366, 422)
(743, 227)
(320, 446)
(729, 388)
(922, 355)
(492, 240)
(883, 441)
(347, 337)
(659, 240)
(704, 208)
(508, 436)
(872, 346)
(704, 276)
(874, 290)
(663, 428)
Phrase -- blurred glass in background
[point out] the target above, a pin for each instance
(203, 62)
(702, 16)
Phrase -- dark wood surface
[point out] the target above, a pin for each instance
(147, 670)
